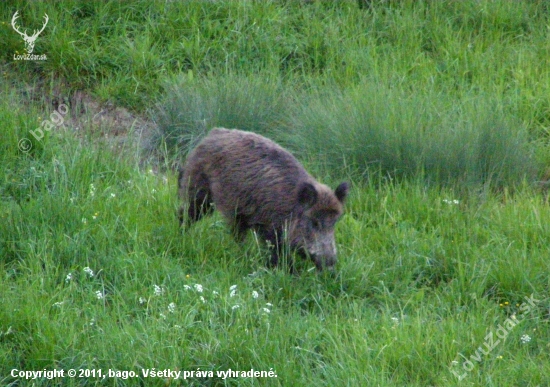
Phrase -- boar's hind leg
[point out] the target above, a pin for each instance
(200, 205)
(199, 200)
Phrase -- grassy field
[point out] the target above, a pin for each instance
(437, 112)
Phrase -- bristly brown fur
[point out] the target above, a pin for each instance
(256, 184)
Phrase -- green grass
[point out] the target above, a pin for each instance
(370, 129)
(436, 111)
(428, 135)
(190, 109)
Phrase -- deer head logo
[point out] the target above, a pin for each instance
(29, 40)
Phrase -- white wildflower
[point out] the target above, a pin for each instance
(171, 307)
(235, 306)
(198, 288)
(233, 287)
(92, 190)
(525, 339)
(266, 310)
(57, 304)
(187, 287)
(84, 220)
(215, 293)
(454, 201)
(162, 316)
(203, 300)
(255, 294)
(113, 194)
(142, 300)
(89, 271)
(69, 277)
(99, 294)
(158, 290)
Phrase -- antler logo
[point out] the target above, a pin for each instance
(29, 40)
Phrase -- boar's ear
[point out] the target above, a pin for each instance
(342, 191)
(307, 195)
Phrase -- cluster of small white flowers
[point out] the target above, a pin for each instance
(57, 304)
(171, 307)
(92, 190)
(525, 339)
(89, 271)
(454, 201)
(267, 307)
(99, 294)
(69, 277)
(113, 195)
(233, 292)
(142, 300)
(158, 290)
(395, 320)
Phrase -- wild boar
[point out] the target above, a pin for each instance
(256, 184)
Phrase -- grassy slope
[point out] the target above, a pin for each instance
(421, 281)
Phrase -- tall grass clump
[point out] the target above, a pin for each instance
(190, 109)
(441, 140)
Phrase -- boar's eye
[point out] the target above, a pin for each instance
(315, 223)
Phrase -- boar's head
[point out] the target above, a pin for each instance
(312, 231)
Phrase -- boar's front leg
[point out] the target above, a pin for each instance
(275, 243)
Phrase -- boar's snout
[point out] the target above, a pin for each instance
(324, 263)
(323, 253)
